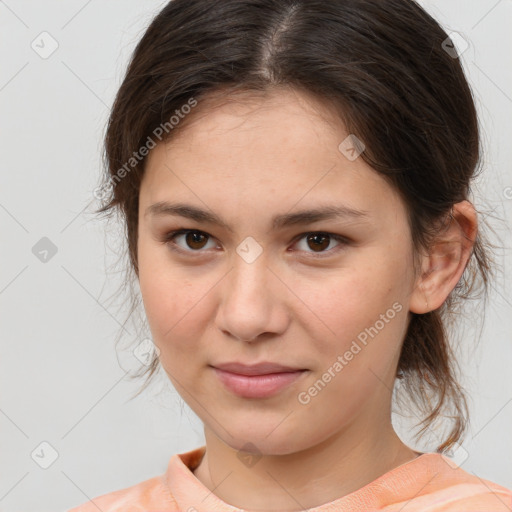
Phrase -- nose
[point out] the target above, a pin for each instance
(252, 302)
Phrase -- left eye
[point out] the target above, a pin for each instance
(321, 241)
(196, 240)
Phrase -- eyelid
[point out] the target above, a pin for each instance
(342, 241)
(168, 239)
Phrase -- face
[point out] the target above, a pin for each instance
(256, 279)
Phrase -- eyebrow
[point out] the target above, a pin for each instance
(310, 216)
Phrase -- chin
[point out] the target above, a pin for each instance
(259, 443)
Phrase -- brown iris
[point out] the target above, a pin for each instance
(196, 238)
(319, 241)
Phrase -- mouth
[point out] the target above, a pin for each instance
(263, 368)
(257, 381)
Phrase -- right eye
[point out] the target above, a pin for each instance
(195, 240)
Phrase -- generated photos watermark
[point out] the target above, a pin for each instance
(137, 156)
(304, 397)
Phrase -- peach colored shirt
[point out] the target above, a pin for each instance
(429, 483)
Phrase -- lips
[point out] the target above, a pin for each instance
(264, 368)
(261, 380)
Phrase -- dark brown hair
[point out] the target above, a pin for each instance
(383, 67)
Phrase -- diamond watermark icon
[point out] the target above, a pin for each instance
(44, 455)
(44, 250)
(455, 45)
(249, 250)
(352, 147)
(44, 45)
(249, 454)
(145, 351)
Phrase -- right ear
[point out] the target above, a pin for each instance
(448, 257)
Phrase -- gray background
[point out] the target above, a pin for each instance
(62, 381)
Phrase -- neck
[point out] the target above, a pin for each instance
(312, 477)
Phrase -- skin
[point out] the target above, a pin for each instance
(248, 160)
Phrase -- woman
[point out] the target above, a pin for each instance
(294, 176)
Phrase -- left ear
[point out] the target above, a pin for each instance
(448, 257)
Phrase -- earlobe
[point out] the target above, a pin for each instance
(448, 256)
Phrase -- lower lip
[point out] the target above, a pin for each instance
(257, 386)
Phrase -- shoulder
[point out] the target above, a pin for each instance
(157, 493)
(149, 494)
(453, 489)
(478, 495)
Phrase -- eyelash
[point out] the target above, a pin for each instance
(169, 241)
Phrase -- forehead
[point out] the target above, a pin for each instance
(251, 147)
(234, 129)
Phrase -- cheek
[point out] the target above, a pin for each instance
(172, 302)
(174, 317)
(173, 307)
(363, 303)
(179, 303)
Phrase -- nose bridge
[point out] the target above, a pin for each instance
(248, 282)
(248, 306)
